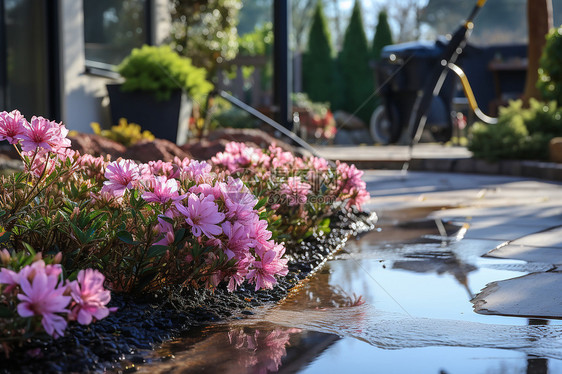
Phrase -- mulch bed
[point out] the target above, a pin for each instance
(122, 340)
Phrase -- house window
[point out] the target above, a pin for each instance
(112, 28)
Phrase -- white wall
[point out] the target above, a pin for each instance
(85, 96)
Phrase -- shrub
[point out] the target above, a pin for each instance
(299, 194)
(161, 71)
(233, 118)
(147, 226)
(35, 297)
(124, 133)
(550, 67)
(382, 37)
(353, 65)
(318, 63)
(205, 31)
(519, 134)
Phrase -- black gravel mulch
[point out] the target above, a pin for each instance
(121, 341)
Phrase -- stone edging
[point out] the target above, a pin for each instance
(529, 169)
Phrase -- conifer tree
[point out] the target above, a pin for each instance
(382, 37)
(353, 65)
(318, 65)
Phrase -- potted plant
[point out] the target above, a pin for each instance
(158, 91)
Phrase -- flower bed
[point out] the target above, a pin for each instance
(178, 243)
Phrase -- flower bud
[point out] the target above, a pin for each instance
(58, 258)
(5, 257)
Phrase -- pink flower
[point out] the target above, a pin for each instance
(9, 278)
(45, 134)
(202, 214)
(167, 229)
(348, 177)
(90, 297)
(12, 126)
(318, 164)
(270, 264)
(240, 271)
(163, 168)
(206, 190)
(120, 176)
(37, 267)
(163, 190)
(239, 240)
(239, 201)
(295, 191)
(197, 171)
(260, 233)
(42, 297)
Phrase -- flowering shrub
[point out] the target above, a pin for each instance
(35, 298)
(124, 133)
(147, 226)
(300, 193)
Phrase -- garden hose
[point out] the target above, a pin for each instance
(433, 85)
(470, 95)
(300, 141)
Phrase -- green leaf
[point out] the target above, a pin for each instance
(261, 203)
(179, 236)
(126, 237)
(29, 248)
(156, 251)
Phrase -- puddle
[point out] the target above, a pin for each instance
(390, 302)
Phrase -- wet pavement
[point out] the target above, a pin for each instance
(519, 219)
(401, 299)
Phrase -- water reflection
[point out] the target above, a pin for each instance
(439, 262)
(260, 348)
(325, 326)
(254, 345)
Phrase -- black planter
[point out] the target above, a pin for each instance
(165, 119)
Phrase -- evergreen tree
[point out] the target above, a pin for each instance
(318, 65)
(358, 76)
(382, 37)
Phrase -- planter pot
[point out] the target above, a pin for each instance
(165, 119)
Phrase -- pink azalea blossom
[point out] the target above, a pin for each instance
(39, 266)
(44, 134)
(261, 234)
(9, 278)
(270, 264)
(42, 297)
(239, 240)
(12, 126)
(163, 168)
(239, 201)
(92, 166)
(167, 229)
(318, 164)
(240, 271)
(120, 175)
(348, 177)
(207, 190)
(197, 171)
(162, 191)
(202, 214)
(295, 191)
(90, 297)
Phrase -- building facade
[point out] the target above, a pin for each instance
(56, 56)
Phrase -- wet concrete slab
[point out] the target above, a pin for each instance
(534, 295)
(523, 215)
(544, 246)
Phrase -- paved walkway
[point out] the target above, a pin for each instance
(521, 218)
(436, 157)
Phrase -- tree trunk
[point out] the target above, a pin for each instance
(539, 21)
